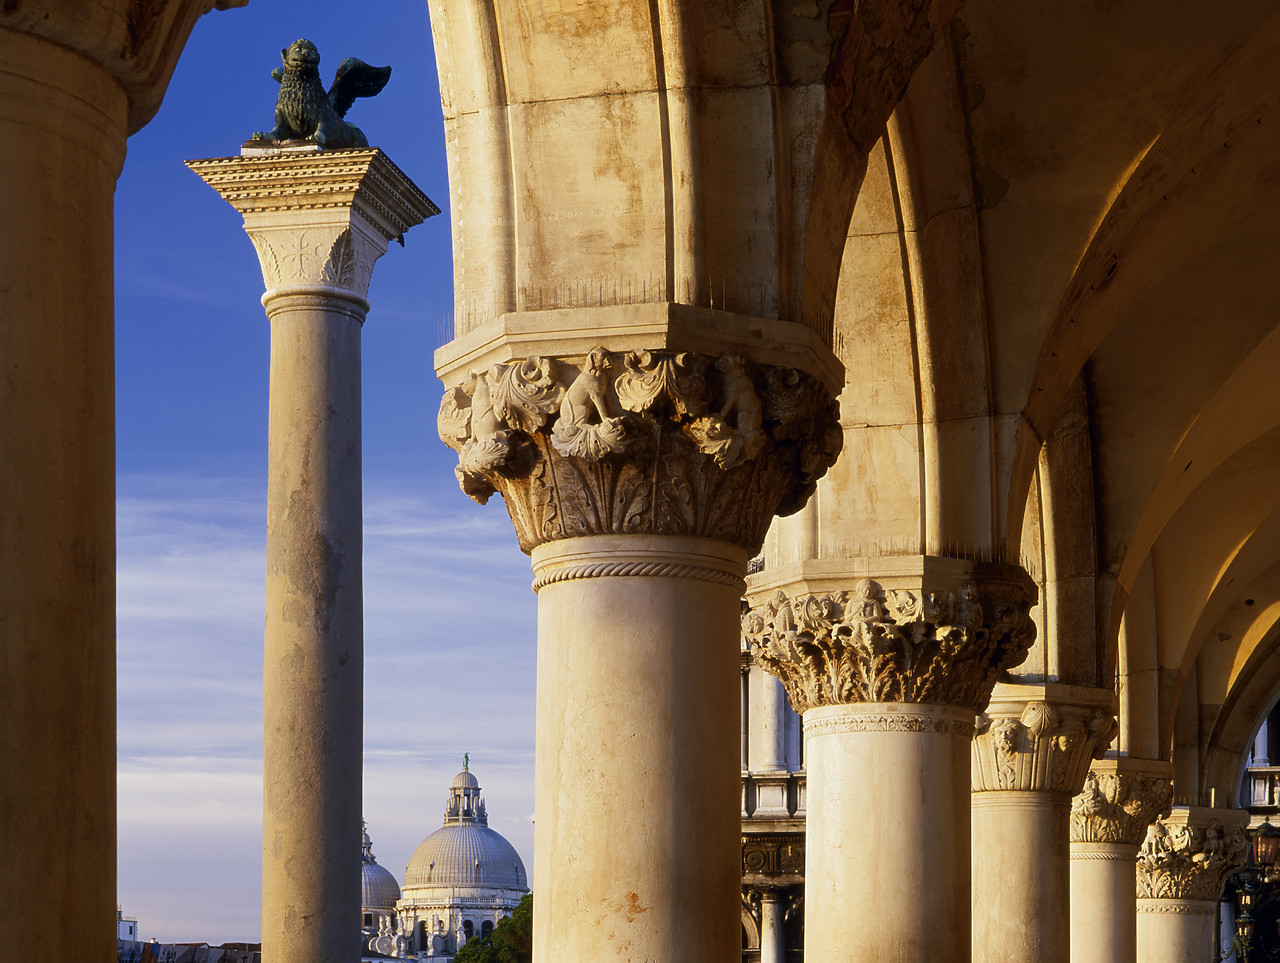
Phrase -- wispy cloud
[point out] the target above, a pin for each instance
(449, 668)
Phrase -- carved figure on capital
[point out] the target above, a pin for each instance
(870, 645)
(1048, 747)
(1188, 862)
(631, 443)
(1116, 805)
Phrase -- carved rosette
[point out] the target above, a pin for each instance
(1117, 806)
(1179, 861)
(1047, 748)
(645, 442)
(934, 645)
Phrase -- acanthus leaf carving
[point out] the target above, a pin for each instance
(1047, 747)
(635, 446)
(1181, 861)
(869, 645)
(1117, 807)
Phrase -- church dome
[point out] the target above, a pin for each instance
(465, 852)
(467, 855)
(378, 888)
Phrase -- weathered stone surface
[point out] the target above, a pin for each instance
(943, 641)
(655, 443)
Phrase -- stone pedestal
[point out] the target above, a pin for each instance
(640, 473)
(1109, 821)
(319, 221)
(1030, 757)
(889, 677)
(1182, 865)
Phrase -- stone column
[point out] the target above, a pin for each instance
(640, 481)
(75, 80)
(1029, 758)
(1109, 820)
(318, 221)
(1261, 750)
(889, 678)
(773, 935)
(1182, 865)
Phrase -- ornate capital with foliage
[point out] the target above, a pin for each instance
(933, 643)
(1118, 804)
(654, 443)
(1181, 860)
(1045, 747)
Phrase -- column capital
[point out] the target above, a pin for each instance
(136, 43)
(936, 631)
(640, 442)
(1188, 854)
(1120, 798)
(1041, 738)
(318, 219)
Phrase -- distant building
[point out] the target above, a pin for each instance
(461, 880)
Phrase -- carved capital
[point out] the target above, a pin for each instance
(1036, 745)
(658, 443)
(943, 641)
(318, 219)
(1119, 801)
(1190, 853)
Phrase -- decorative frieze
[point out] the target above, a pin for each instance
(1182, 860)
(1046, 748)
(936, 644)
(773, 857)
(1117, 806)
(641, 442)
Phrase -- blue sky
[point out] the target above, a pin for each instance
(447, 670)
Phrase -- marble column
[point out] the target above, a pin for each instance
(1029, 758)
(1109, 820)
(1182, 865)
(773, 935)
(318, 221)
(889, 678)
(75, 80)
(640, 481)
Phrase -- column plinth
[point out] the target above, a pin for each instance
(889, 677)
(1182, 865)
(1109, 820)
(1031, 755)
(318, 222)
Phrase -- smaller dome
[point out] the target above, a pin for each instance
(464, 780)
(378, 888)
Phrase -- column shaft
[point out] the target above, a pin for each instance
(312, 712)
(1104, 902)
(773, 936)
(636, 855)
(62, 121)
(887, 848)
(769, 724)
(1175, 930)
(1020, 877)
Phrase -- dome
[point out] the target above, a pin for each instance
(378, 888)
(465, 855)
(464, 780)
